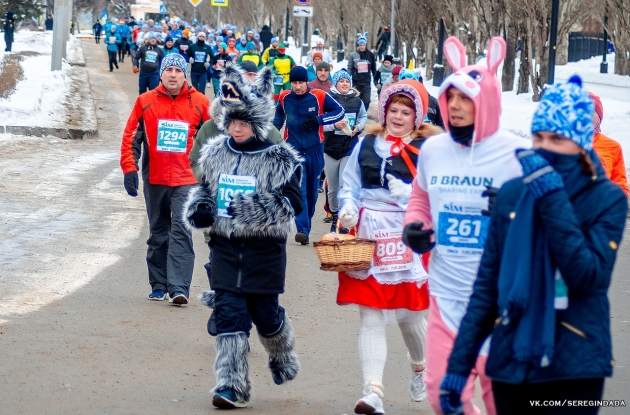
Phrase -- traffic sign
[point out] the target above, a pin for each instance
(302, 11)
(303, 2)
(221, 3)
(163, 9)
(195, 2)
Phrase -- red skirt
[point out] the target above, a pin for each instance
(371, 293)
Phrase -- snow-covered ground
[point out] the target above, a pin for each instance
(39, 97)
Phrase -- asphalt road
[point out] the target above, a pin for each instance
(77, 334)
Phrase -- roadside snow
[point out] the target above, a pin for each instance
(39, 97)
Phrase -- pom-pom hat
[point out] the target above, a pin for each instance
(567, 110)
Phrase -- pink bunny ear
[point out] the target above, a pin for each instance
(496, 53)
(455, 53)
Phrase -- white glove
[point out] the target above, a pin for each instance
(396, 186)
(206, 65)
(191, 60)
(349, 215)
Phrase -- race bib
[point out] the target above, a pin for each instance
(391, 253)
(183, 48)
(112, 39)
(385, 76)
(172, 136)
(462, 229)
(200, 56)
(150, 56)
(352, 120)
(229, 185)
(363, 67)
(278, 80)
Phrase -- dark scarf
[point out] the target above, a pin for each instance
(462, 135)
(527, 275)
(250, 145)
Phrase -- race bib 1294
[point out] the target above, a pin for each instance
(172, 136)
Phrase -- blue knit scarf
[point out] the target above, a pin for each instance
(527, 274)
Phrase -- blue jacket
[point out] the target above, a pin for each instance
(296, 109)
(112, 47)
(124, 31)
(584, 233)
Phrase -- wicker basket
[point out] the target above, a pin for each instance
(345, 255)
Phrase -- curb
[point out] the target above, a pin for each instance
(65, 133)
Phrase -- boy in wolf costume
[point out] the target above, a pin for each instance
(248, 233)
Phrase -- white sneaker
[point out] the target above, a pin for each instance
(371, 403)
(417, 387)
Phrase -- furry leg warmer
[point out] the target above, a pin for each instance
(414, 332)
(372, 347)
(283, 360)
(231, 367)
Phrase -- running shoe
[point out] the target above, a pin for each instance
(371, 403)
(417, 387)
(225, 400)
(302, 238)
(179, 298)
(157, 295)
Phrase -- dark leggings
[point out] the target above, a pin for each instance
(112, 60)
(548, 398)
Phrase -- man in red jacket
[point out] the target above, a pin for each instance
(161, 128)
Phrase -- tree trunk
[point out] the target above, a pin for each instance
(525, 68)
(429, 57)
(507, 81)
(562, 53)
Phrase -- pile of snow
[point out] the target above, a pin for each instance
(38, 98)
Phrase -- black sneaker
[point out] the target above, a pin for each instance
(302, 238)
(179, 298)
(225, 399)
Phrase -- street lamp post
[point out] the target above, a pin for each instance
(438, 68)
(553, 35)
(393, 28)
(603, 67)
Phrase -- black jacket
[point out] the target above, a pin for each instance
(338, 146)
(366, 77)
(433, 112)
(195, 51)
(265, 37)
(148, 58)
(9, 26)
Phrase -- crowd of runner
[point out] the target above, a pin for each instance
(494, 252)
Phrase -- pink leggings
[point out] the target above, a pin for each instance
(440, 340)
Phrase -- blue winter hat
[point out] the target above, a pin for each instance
(408, 74)
(224, 46)
(362, 38)
(298, 74)
(251, 46)
(174, 59)
(274, 39)
(169, 37)
(567, 110)
(145, 27)
(341, 74)
(152, 35)
(219, 39)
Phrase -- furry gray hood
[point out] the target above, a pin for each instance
(244, 100)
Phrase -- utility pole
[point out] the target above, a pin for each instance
(286, 28)
(553, 42)
(438, 68)
(306, 45)
(61, 28)
(219, 18)
(392, 41)
(603, 67)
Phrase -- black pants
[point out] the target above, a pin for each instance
(122, 48)
(170, 254)
(366, 92)
(9, 41)
(112, 60)
(547, 398)
(235, 313)
(97, 37)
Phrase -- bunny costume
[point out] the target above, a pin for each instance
(446, 196)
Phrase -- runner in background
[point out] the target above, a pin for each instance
(163, 122)
(199, 56)
(147, 61)
(374, 195)
(218, 63)
(281, 65)
(608, 150)
(271, 51)
(362, 67)
(112, 40)
(384, 72)
(447, 199)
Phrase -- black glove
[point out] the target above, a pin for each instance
(491, 194)
(311, 123)
(203, 217)
(229, 209)
(131, 183)
(417, 239)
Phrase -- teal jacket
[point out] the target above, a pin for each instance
(112, 46)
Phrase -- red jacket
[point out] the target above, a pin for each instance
(167, 165)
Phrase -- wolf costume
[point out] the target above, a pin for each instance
(248, 234)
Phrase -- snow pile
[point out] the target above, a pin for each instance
(39, 97)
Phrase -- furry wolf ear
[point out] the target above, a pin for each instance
(455, 53)
(263, 85)
(232, 72)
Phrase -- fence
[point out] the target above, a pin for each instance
(585, 45)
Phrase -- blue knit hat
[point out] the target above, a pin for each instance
(567, 110)
(250, 46)
(408, 74)
(362, 38)
(152, 35)
(224, 46)
(174, 59)
(341, 74)
(274, 40)
(299, 74)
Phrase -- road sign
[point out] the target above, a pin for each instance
(302, 11)
(303, 2)
(195, 2)
(221, 3)
(163, 9)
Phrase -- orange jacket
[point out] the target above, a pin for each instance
(611, 156)
(168, 165)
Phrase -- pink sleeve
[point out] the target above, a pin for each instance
(419, 207)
